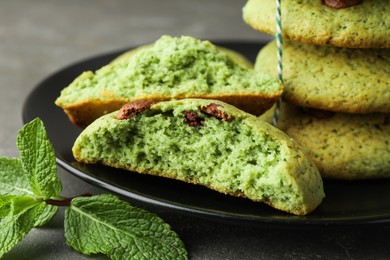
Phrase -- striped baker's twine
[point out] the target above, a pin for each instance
(279, 43)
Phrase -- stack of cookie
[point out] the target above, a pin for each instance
(336, 69)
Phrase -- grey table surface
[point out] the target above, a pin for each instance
(39, 37)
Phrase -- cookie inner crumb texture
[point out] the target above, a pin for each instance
(232, 157)
(174, 67)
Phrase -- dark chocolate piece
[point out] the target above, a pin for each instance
(131, 109)
(213, 110)
(193, 119)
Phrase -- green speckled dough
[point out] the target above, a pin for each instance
(171, 68)
(237, 57)
(243, 156)
(366, 25)
(343, 146)
(331, 78)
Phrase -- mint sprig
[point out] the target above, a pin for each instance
(30, 196)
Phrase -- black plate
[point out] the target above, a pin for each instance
(357, 202)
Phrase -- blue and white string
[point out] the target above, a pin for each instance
(279, 44)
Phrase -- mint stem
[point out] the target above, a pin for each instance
(65, 202)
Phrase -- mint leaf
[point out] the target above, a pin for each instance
(13, 179)
(105, 224)
(47, 214)
(38, 159)
(18, 216)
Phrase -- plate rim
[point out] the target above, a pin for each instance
(226, 217)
